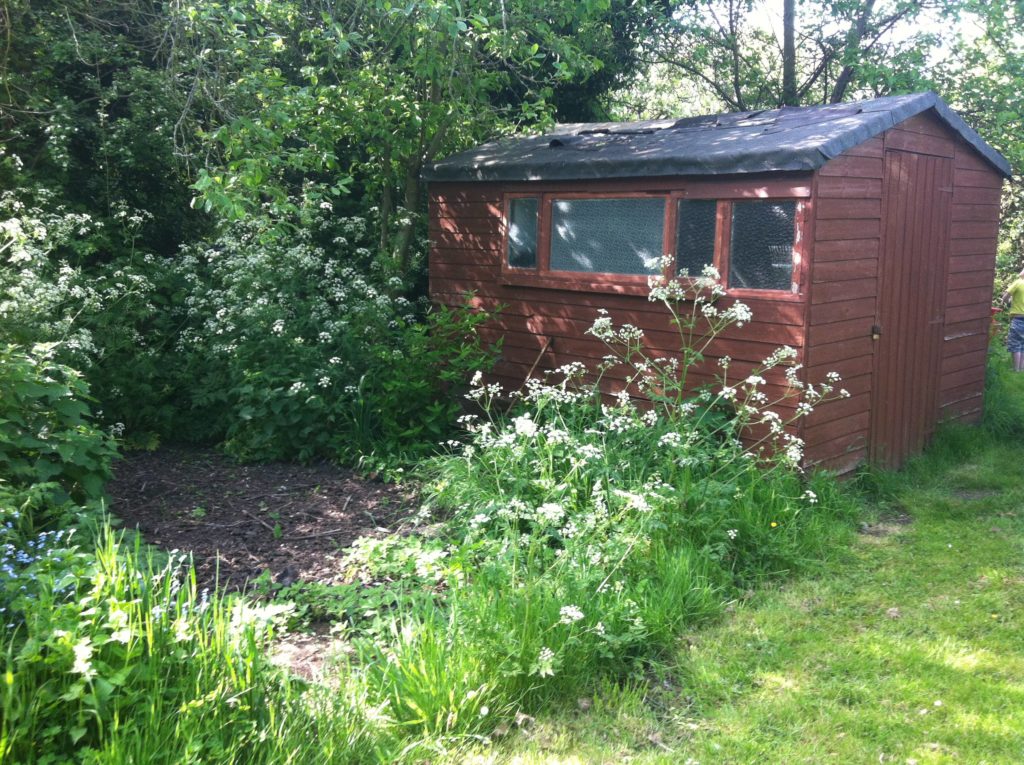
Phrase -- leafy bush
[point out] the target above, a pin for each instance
(594, 534)
(1004, 407)
(46, 434)
(291, 353)
(114, 657)
(281, 343)
(110, 652)
(581, 538)
(42, 290)
(79, 284)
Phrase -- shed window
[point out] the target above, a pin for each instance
(761, 245)
(614, 242)
(695, 235)
(608, 236)
(522, 232)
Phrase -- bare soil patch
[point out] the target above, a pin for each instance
(971, 495)
(308, 654)
(239, 521)
(887, 526)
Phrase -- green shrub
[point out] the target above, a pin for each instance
(80, 285)
(580, 538)
(279, 342)
(293, 352)
(110, 653)
(1004, 397)
(595, 534)
(47, 438)
(115, 657)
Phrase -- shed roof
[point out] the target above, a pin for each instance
(787, 139)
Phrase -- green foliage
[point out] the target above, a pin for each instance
(983, 77)
(46, 433)
(367, 610)
(731, 55)
(116, 658)
(43, 290)
(108, 319)
(287, 344)
(913, 626)
(110, 653)
(285, 370)
(113, 116)
(1004, 397)
(301, 103)
(642, 523)
(580, 539)
(90, 113)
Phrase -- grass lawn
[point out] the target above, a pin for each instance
(910, 648)
(902, 645)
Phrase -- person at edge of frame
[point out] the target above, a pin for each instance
(1014, 298)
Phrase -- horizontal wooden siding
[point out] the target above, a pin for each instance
(547, 326)
(974, 230)
(844, 285)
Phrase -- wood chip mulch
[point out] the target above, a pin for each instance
(239, 521)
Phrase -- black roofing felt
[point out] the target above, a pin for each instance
(786, 139)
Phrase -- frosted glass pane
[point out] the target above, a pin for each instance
(695, 235)
(761, 253)
(522, 232)
(615, 236)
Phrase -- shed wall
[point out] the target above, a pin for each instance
(843, 301)
(845, 283)
(466, 252)
(973, 232)
(547, 327)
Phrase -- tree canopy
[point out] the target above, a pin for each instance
(164, 162)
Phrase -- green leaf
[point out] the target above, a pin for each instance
(74, 692)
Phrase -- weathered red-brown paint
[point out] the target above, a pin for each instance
(899, 387)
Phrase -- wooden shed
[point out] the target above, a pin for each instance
(861, 234)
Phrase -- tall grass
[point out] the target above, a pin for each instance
(1004, 398)
(584, 536)
(121, 660)
(579, 539)
(592, 536)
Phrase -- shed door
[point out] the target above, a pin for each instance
(916, 196)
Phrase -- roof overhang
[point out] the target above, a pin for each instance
(777, 140)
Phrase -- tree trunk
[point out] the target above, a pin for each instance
(852, 50)
(403, 240)
(789, 93)
(734, 40)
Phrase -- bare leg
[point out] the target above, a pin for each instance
(1018, 362)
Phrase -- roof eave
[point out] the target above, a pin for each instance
(876, 119)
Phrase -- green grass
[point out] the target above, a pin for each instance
(577, 541)
(910, 649)
(902, 644)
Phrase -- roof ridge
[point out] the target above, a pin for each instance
(768, 140)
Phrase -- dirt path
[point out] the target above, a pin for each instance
(243, 520)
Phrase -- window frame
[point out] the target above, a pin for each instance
(544, 276)
(506, 231)
(724, 193)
